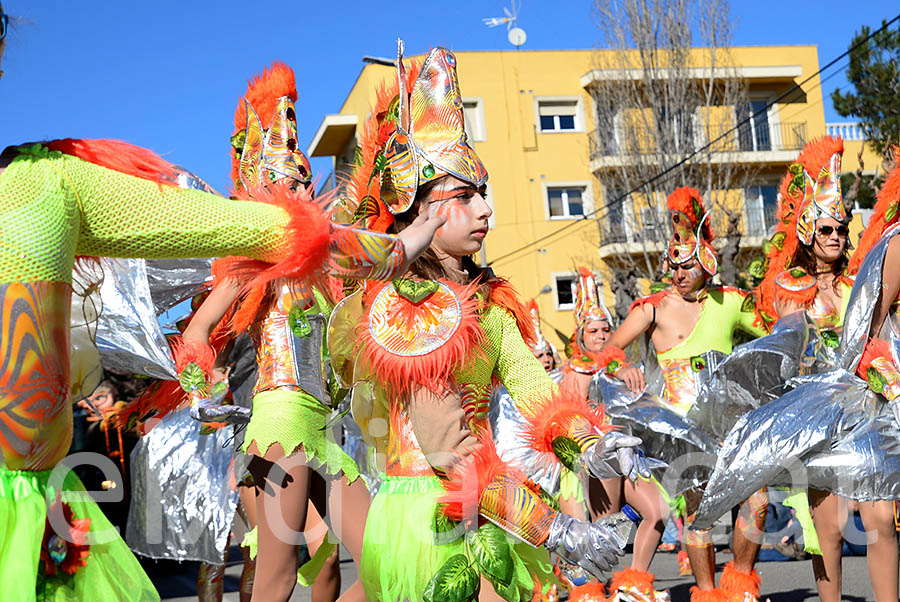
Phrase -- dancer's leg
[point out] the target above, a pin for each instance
(748, 532)
(248, 509)
(281, 503)
(881, 548)
(604, 496)
(829, 516)
(348, 507)
(698, 545)
(327, 586)
(644, 496)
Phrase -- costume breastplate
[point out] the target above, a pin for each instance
(824, 314)
(289, 344)
(685, 376)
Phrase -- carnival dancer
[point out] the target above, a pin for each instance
(687, 324)
(429, 345)
(61, 199)
(843, 435)
(607, 496)
(288, 431)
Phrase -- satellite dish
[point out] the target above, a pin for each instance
(517, 36)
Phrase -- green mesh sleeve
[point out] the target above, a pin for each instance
(126, 216)
(746, 316)
(522, 374)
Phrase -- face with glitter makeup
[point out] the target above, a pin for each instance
(688, 277)
(466, 212)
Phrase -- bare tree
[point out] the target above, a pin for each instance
(664, 85)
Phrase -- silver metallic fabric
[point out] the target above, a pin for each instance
(172, 281)
(830, 432)
(507, 425)
(595, 547)
(183, 502)
(129, 337)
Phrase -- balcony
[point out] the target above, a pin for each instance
(848, 130)
(750, 143)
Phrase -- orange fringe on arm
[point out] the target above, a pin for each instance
(556, 417)
(611, 354)
(504, 295)
(589, 592)
(119, 156)
(875, 348)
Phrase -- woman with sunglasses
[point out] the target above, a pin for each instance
(808, 268)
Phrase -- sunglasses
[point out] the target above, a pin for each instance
(826, 231)
(4, 24)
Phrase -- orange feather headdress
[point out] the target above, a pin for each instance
(692, 235)
(884, 215)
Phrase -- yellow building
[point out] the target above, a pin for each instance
(530, 117)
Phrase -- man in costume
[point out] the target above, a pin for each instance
(689, 324)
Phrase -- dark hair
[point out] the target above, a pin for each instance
(428, 265)
(806, 259)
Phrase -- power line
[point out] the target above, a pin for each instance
(619, 200)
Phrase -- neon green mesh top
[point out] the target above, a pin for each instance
(55, 206)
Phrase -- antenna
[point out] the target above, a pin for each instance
(514, 33)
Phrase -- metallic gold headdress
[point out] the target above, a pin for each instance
(692, 235)
(589, 300)
(267, 151)
(430, 138)
(541, 342)
(822, 197)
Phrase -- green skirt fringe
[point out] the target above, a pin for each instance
(111, 571)
(400, 555)
(294, 418)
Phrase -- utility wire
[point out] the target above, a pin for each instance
(622, 197)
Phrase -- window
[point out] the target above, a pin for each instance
(612, 217)
(473, 113)
(565, 201)
(754, 134)
(760, 205)
(564, 291)
(562, 115)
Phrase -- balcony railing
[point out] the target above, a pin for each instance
(848, 130)
(749, 137)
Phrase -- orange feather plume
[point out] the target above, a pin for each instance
(433, 370)
(813, 157)
(682, 199)
(875, 348)
(888, 197)
(610, 354)
(119, 156)
(629, 577)
(471, 475)
(555, 417)
(504, 295)
(589, 592)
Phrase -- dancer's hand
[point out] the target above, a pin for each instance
(616, 455)
(592, 546)
(418, 235)
(632, 377)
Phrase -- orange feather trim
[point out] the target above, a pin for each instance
(708, 595)
(504, 295)
(875, 348)
(305, 249)
(119, 156)
(655, 299)
(435, 369)
(682, 199)
(589, 592)
(608, 355)
(263, 92)
(737, 583)
(469, 477)
(629, 577)
(197, 352)
(803, 298)
(555, 417)
(888, 196)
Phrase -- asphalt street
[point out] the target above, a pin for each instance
(781, 581)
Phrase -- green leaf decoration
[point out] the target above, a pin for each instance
(492, 553)
(797, 272)
(218, 392)
(767, 247)
(414, 290)
(698, 211)
(657, 286)
(380, 164)
(567, 450)
(206, 429)
(757, 267)
(798, 179)
(192, 377)
(551, 501)
(298, 321)
(613, 366)
(891, 212)
(445, 529)
(831, 339)
(455, 581)
(768, 319)
(393, 112)
(778, 240)
(876, 380)
(749, 304)
(238, 141)
(698, 363)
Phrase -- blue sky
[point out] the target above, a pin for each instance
(167, 75)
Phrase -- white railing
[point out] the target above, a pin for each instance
(848, 130)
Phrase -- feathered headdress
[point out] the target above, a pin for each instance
(541, 343)
(884, 215)
(264, 140)
(589, 299)
(414, 135)
(692, 234)
(810, 189)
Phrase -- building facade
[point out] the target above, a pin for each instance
(531, 118)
